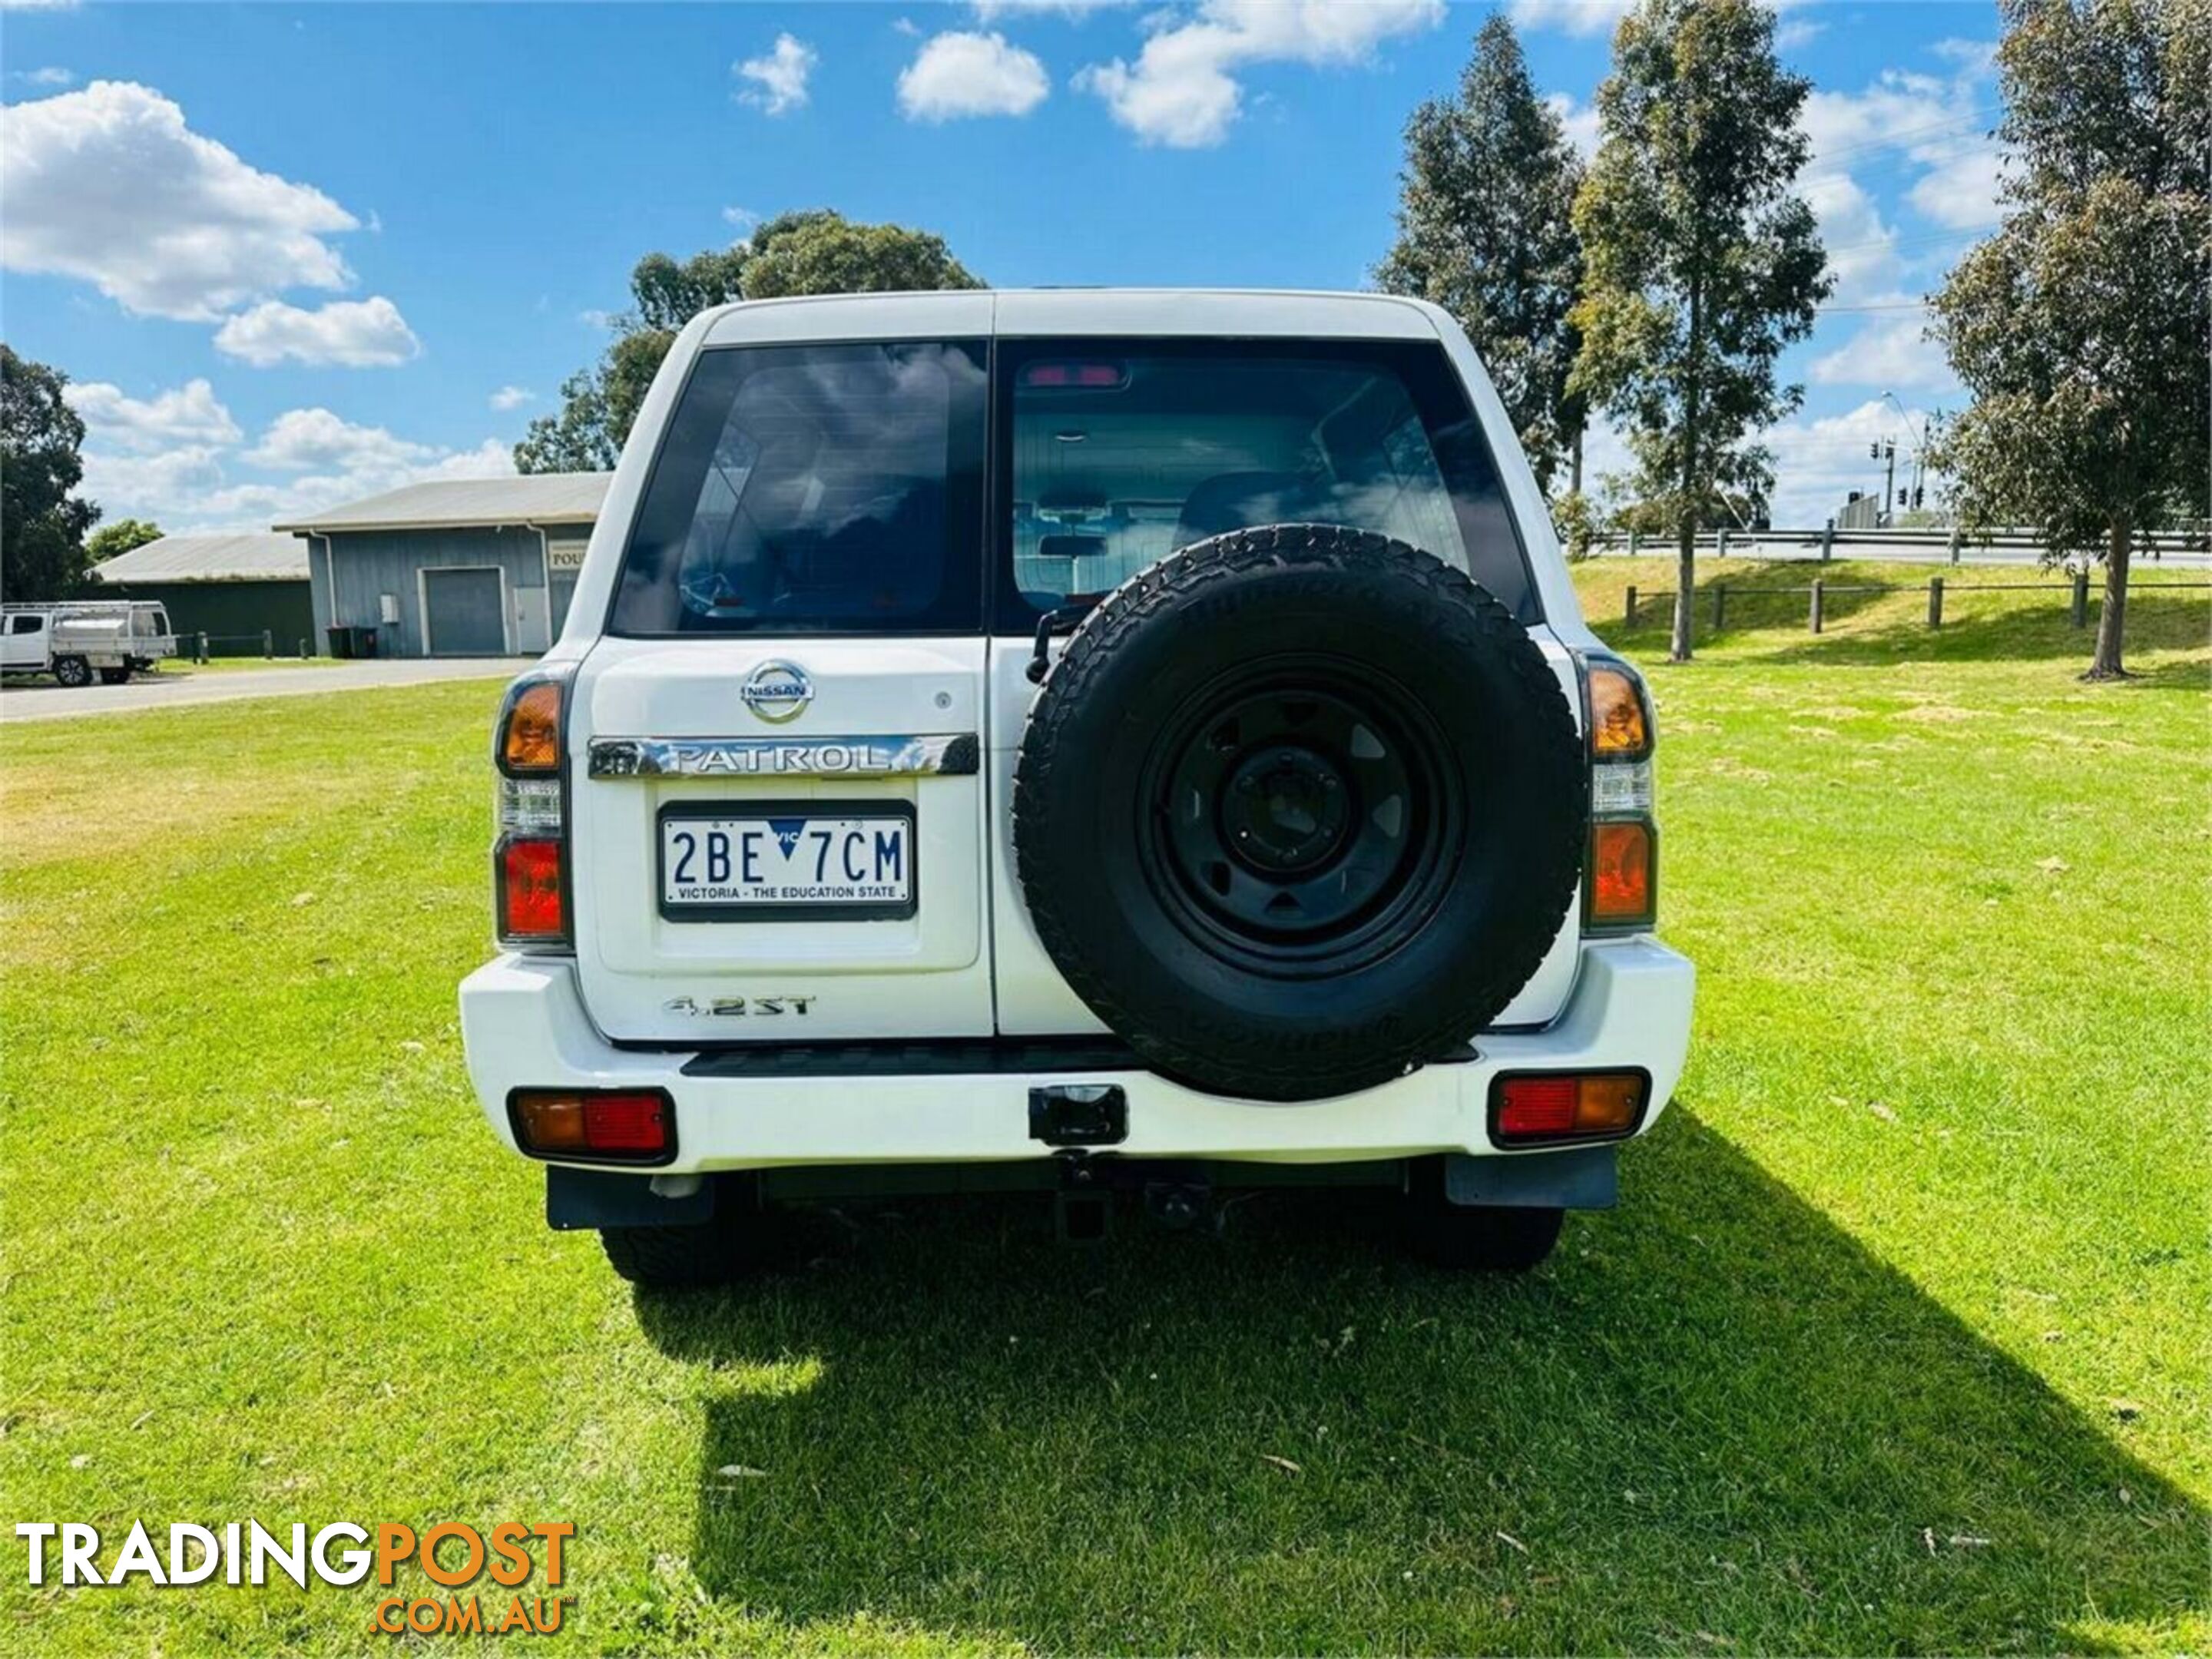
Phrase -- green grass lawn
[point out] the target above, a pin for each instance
(1898, 1342)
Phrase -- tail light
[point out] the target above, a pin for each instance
(1620, 868)
(1530, 1108)
(529, 857)
(594, 1126)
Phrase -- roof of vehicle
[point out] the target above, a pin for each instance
(262, 558)
(530, 498)
(1077, 311)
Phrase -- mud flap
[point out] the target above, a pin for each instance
(1579, 1178)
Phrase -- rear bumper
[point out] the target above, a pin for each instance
(525, 1026)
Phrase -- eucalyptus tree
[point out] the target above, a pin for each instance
(1702, 263)
(2079, 325)
(1485, 230)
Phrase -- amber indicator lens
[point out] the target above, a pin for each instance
(529, 738)
(1565, 1106)
(1619, 730)
(549, 1123)
(616, 1124)
(1620, 874)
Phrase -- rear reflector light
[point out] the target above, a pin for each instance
(1619, 885)
(531, 905)
(616, 1126)
(1593, 1105)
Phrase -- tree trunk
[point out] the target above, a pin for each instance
(2113, 621)
(1575, 464)
(1686, 583)
(1686, 580)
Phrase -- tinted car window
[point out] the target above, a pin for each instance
(1118, 453)
(833, 488)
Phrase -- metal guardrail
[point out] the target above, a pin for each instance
(1817, 593)
(1950, 541)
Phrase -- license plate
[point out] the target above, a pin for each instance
(720, 865)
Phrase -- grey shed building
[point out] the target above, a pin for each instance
(475, 568)
(246, 594)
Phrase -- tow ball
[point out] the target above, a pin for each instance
(1177, 1197)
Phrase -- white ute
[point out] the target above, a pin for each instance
(1104, 743)
(73, 640)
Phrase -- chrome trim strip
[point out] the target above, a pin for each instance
(945, 754)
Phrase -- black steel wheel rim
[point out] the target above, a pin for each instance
(1302, 816)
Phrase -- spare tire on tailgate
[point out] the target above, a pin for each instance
(1300, 809)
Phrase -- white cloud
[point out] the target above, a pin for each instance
(511, 396)
(1960, 188)
(38, 5)
(1579, 120)
(156, 486)
(1893, 353)
(1181, 92)
(741, 220)
(183, 416)
(778, 76)
(326, 459)
(52, 76)
(1798, 32)
(1568, 16)
(109, 186)
(1905, 125)
(351, 333)
(1817, 462)
(300, 440)
(960, 74)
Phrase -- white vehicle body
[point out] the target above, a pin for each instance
(73, 640)
(918, 1038)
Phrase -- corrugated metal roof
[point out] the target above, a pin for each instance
(529, 498)
(210, 559)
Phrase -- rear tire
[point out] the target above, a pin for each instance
(735, 1241)
(115, 675)
(1476, 1237)
(75, 672)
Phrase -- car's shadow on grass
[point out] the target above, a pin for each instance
(1714, 1422)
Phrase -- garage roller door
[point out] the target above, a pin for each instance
(463, 609)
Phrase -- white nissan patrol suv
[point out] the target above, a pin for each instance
(1117, 744)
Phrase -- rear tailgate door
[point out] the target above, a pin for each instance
(776, 789)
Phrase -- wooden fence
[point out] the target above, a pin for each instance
(1817, 593)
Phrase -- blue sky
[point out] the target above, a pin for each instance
(296, 254)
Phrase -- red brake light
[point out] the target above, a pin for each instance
(1536, 1106)
(621, 1126)
(531, 905)
(625, 1123)
(1566, 1106)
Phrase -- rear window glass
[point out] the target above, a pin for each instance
(832, 488)
(1124, 452)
